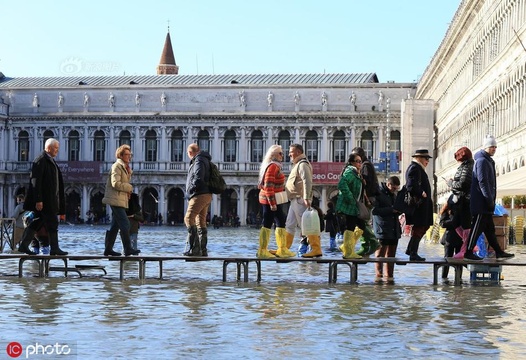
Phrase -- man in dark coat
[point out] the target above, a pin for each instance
(199, 199)
(46, 198)
(417, 184)
(483, 195)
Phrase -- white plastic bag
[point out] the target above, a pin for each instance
(310, 222)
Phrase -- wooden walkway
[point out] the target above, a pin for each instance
(242, 264)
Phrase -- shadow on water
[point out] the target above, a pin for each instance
(292, 314)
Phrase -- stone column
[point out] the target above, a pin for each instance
(324, 145)
(242, 206)
(162, 204)
(216, 156)
(85, 145)
(85, 201)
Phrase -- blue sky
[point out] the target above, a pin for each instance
(394, 39)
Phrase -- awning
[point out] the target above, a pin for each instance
(512, 183)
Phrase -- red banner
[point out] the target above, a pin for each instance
(326, 173)
(80, 171)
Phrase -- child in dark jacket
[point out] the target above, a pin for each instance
(450, 220)
(136, 217)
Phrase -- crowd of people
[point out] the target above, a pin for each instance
(365, 210)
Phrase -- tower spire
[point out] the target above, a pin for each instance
(167, 63)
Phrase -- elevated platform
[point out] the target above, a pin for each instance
(242, 264)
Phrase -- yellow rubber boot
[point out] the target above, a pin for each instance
(349, 244)
(281, 240)
(315, 245)
(264, 236)
(290, 239)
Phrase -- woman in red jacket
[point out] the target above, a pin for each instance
(272, 197)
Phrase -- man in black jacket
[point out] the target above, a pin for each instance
(45, 198)
(199, 199)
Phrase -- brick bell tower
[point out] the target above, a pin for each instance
(167, 64)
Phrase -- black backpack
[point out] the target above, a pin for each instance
(216, 184)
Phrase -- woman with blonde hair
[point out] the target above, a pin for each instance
(271, 184)
(117, 193)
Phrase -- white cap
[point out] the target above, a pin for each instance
(489, 141)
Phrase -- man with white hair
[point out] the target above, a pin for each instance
(482, 205)
(45, 197)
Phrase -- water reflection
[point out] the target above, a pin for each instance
(292, 314)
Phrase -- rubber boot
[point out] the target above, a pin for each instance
(264, 237)
(127, 246)
(464, 234)
(349, 243)
(303, 248)
(332, 244)
(43, 246)
(372, 243)
(53, 244)
(27, 237)
(281, 239)
(413, 252)
(109, 241)
(364, 247)
(315, 245)
(290, 240)
(202, 234)
(192, 241)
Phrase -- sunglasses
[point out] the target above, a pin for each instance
(357, 161)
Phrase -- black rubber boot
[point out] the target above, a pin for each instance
(203, 239)
(53, 244)
(27, 237)
(109, 241)
(126, 244)
(192, 241)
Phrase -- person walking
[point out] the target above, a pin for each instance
(386, 228)
(271, 183)
(461, 187)
(45, 196)
(351, 190)
(331, 226)
(299, 191)
(199, 199)
(421, 214)
(17, 214)
(116, 195)
(483, 194)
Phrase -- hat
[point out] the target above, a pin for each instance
(422, 153)
(489, 141)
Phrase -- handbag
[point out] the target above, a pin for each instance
(363, 211)
(281, 197)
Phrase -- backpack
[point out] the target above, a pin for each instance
(216, 183)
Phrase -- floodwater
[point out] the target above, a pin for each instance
(292, 314)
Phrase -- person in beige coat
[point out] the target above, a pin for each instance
(117, 194)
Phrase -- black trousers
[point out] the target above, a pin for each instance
(483, 223)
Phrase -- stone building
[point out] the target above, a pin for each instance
(234, 117)
(476, 81)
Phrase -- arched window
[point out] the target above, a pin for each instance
(203, 140)
(256, 146)
(23, 146)
(311, 145)
(338, 152)
(394, 144)
(151, 146)
(230, 146)
(367, 144)
(73, 146)
(177, 146)
(99, 146)
(284, 141)
(125, 138)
